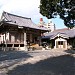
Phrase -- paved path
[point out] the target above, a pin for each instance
(51, 62)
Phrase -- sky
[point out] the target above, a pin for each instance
(27, 8)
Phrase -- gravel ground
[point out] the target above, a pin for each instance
(49, 62)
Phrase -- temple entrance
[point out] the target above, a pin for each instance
(60, 43)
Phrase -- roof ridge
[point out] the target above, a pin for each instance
(16, 15)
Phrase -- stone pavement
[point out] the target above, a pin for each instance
(9, 66)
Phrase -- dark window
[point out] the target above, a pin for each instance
(21, 45)
(16, 45)
(9, 45)
(60, 42)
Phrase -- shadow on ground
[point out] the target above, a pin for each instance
(12, 55)
(70, 51)
(61, 65)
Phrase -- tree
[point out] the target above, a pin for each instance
(64, 8)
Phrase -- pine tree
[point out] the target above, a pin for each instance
(64, 8)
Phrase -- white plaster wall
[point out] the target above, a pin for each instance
(2, 38)
(60, 39)
(7, 36)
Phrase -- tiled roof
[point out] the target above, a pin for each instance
(20, 21)
(68, 33)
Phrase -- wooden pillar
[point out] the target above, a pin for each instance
(64, 44)
(39, 38)
(30, 37)
(56, 44)
(25, 43)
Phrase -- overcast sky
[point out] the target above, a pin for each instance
(26, 8)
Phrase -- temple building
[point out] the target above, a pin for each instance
(17, 32)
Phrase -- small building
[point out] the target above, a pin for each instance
(61, 38)
(18, 32)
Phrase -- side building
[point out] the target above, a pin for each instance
(61, 38)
